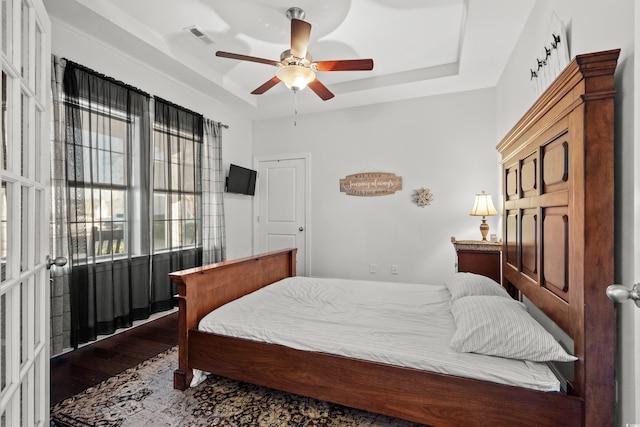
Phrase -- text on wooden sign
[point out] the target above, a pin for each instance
(371, 184)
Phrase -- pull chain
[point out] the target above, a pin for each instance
(295, 107)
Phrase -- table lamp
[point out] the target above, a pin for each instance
(483, 206)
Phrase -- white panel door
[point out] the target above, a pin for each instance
(282, 198)
(24, 214)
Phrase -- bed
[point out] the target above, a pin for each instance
(557, 165)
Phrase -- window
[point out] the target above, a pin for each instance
(100, 179)
(177, 144)
(109, 203)
(105, 147)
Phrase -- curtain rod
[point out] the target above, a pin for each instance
(226, 126)
(105, 77)
(179, 107)
(111, 79)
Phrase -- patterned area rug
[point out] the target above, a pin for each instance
(144, 396)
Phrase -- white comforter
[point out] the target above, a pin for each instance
(396, 323)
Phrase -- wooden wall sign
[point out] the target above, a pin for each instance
(371, 184)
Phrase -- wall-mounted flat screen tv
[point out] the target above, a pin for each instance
(241, 180)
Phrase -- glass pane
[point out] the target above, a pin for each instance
(160, 164)
(175, 231)
(37, 385)
(118, 169)
(3, 232)
(38, 68)
(25, 41)
(105, 206)
(37, 249)
(189, 179)
(5, 121)
(159, 223)
(176, 177)
(76, 204)
(177, 206)
(159, 147)
(80, 235)
(24, 232)
(3, 342)
(38, 308)
(189, 233)
(26, 318)
(160, 176)
(160, 235)
(6, 26)
(23, 323)
(83, 164)
(189, 211)
(37, 158)
(24, 398)
(117, 141)
(102, 169)
(24, 136)
(118, 205)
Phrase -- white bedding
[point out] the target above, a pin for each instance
(396, 323)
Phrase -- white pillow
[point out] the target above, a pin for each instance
(468, 284)
(502, 327)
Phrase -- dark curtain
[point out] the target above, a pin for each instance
(214, 237)
(129, 205)
(177, 193)
(107, 134)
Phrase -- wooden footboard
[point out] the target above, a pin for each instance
(203, 289)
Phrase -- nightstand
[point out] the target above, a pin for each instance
(480, 257)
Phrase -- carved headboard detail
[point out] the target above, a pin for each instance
(558, 218)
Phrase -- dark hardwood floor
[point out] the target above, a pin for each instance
(78, 370)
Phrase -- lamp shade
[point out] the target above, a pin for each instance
(295, 77)
(483, 205)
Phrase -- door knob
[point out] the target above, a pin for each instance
(301, 229)
(59, 261)
(619, 293)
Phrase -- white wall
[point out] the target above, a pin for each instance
(421, 140)
(237, 140)
(592, 26)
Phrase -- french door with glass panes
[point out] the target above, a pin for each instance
(24, 208)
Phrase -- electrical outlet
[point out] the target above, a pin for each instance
(394, 269)
(373, 268)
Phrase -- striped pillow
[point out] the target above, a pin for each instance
(468, 284)
(502, 327)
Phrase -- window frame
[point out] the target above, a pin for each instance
(172, 135)
(131, 177)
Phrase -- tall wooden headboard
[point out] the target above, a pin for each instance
(558, 181)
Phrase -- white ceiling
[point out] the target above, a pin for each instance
(419, 47)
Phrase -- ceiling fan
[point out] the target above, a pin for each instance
(296, 68)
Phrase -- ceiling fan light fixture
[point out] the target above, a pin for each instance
(295, 77)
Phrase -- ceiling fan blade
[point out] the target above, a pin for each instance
(320, 90)
(266, 86)
(245, 58)
(345, 65)
(300, 31)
